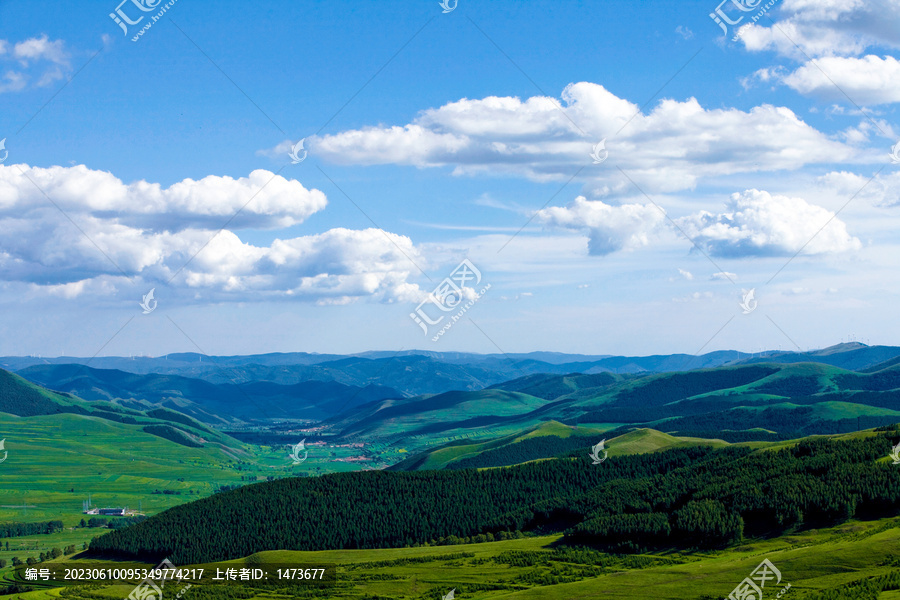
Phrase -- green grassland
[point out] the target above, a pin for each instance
(641, 441)
(534, 568)
(454, 450)
(56, 461)
(638, 441)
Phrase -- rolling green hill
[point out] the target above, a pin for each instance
(739, 403)
(438, 414)
(547, 439)
(22, 398)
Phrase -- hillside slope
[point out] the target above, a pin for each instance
(22, 398)
(763, 402)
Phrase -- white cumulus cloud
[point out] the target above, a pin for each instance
(669, 148)
(869, 80)
(758, 223)
(95, 232)
(265, 200)
(609, 228)
(827, 28)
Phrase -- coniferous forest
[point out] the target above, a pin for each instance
(682, 498)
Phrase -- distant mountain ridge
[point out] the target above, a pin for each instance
(205, 401)
(414, 372)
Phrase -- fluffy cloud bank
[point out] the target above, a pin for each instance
(104, 230)
(836, 33)
(670, 148)
(827, 28)
(869, 80)
(756, 223)
(269, 201)
(883, 190)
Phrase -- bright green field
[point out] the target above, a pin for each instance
(808, 561)
(54, 462)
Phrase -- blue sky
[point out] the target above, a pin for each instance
(761, 162)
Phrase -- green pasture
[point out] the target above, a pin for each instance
(809, 561)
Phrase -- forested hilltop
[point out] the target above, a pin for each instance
(681, 498)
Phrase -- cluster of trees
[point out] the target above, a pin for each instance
(123, 522)
(880, 381)
(117, 523)
(9, 530)
(94, 522)
(44, 556)
(409, 560)
(578, 556)
(870, 588)
(481, 538)
(791, 386)
(52, 553)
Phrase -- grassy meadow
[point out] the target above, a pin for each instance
(531, 568)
